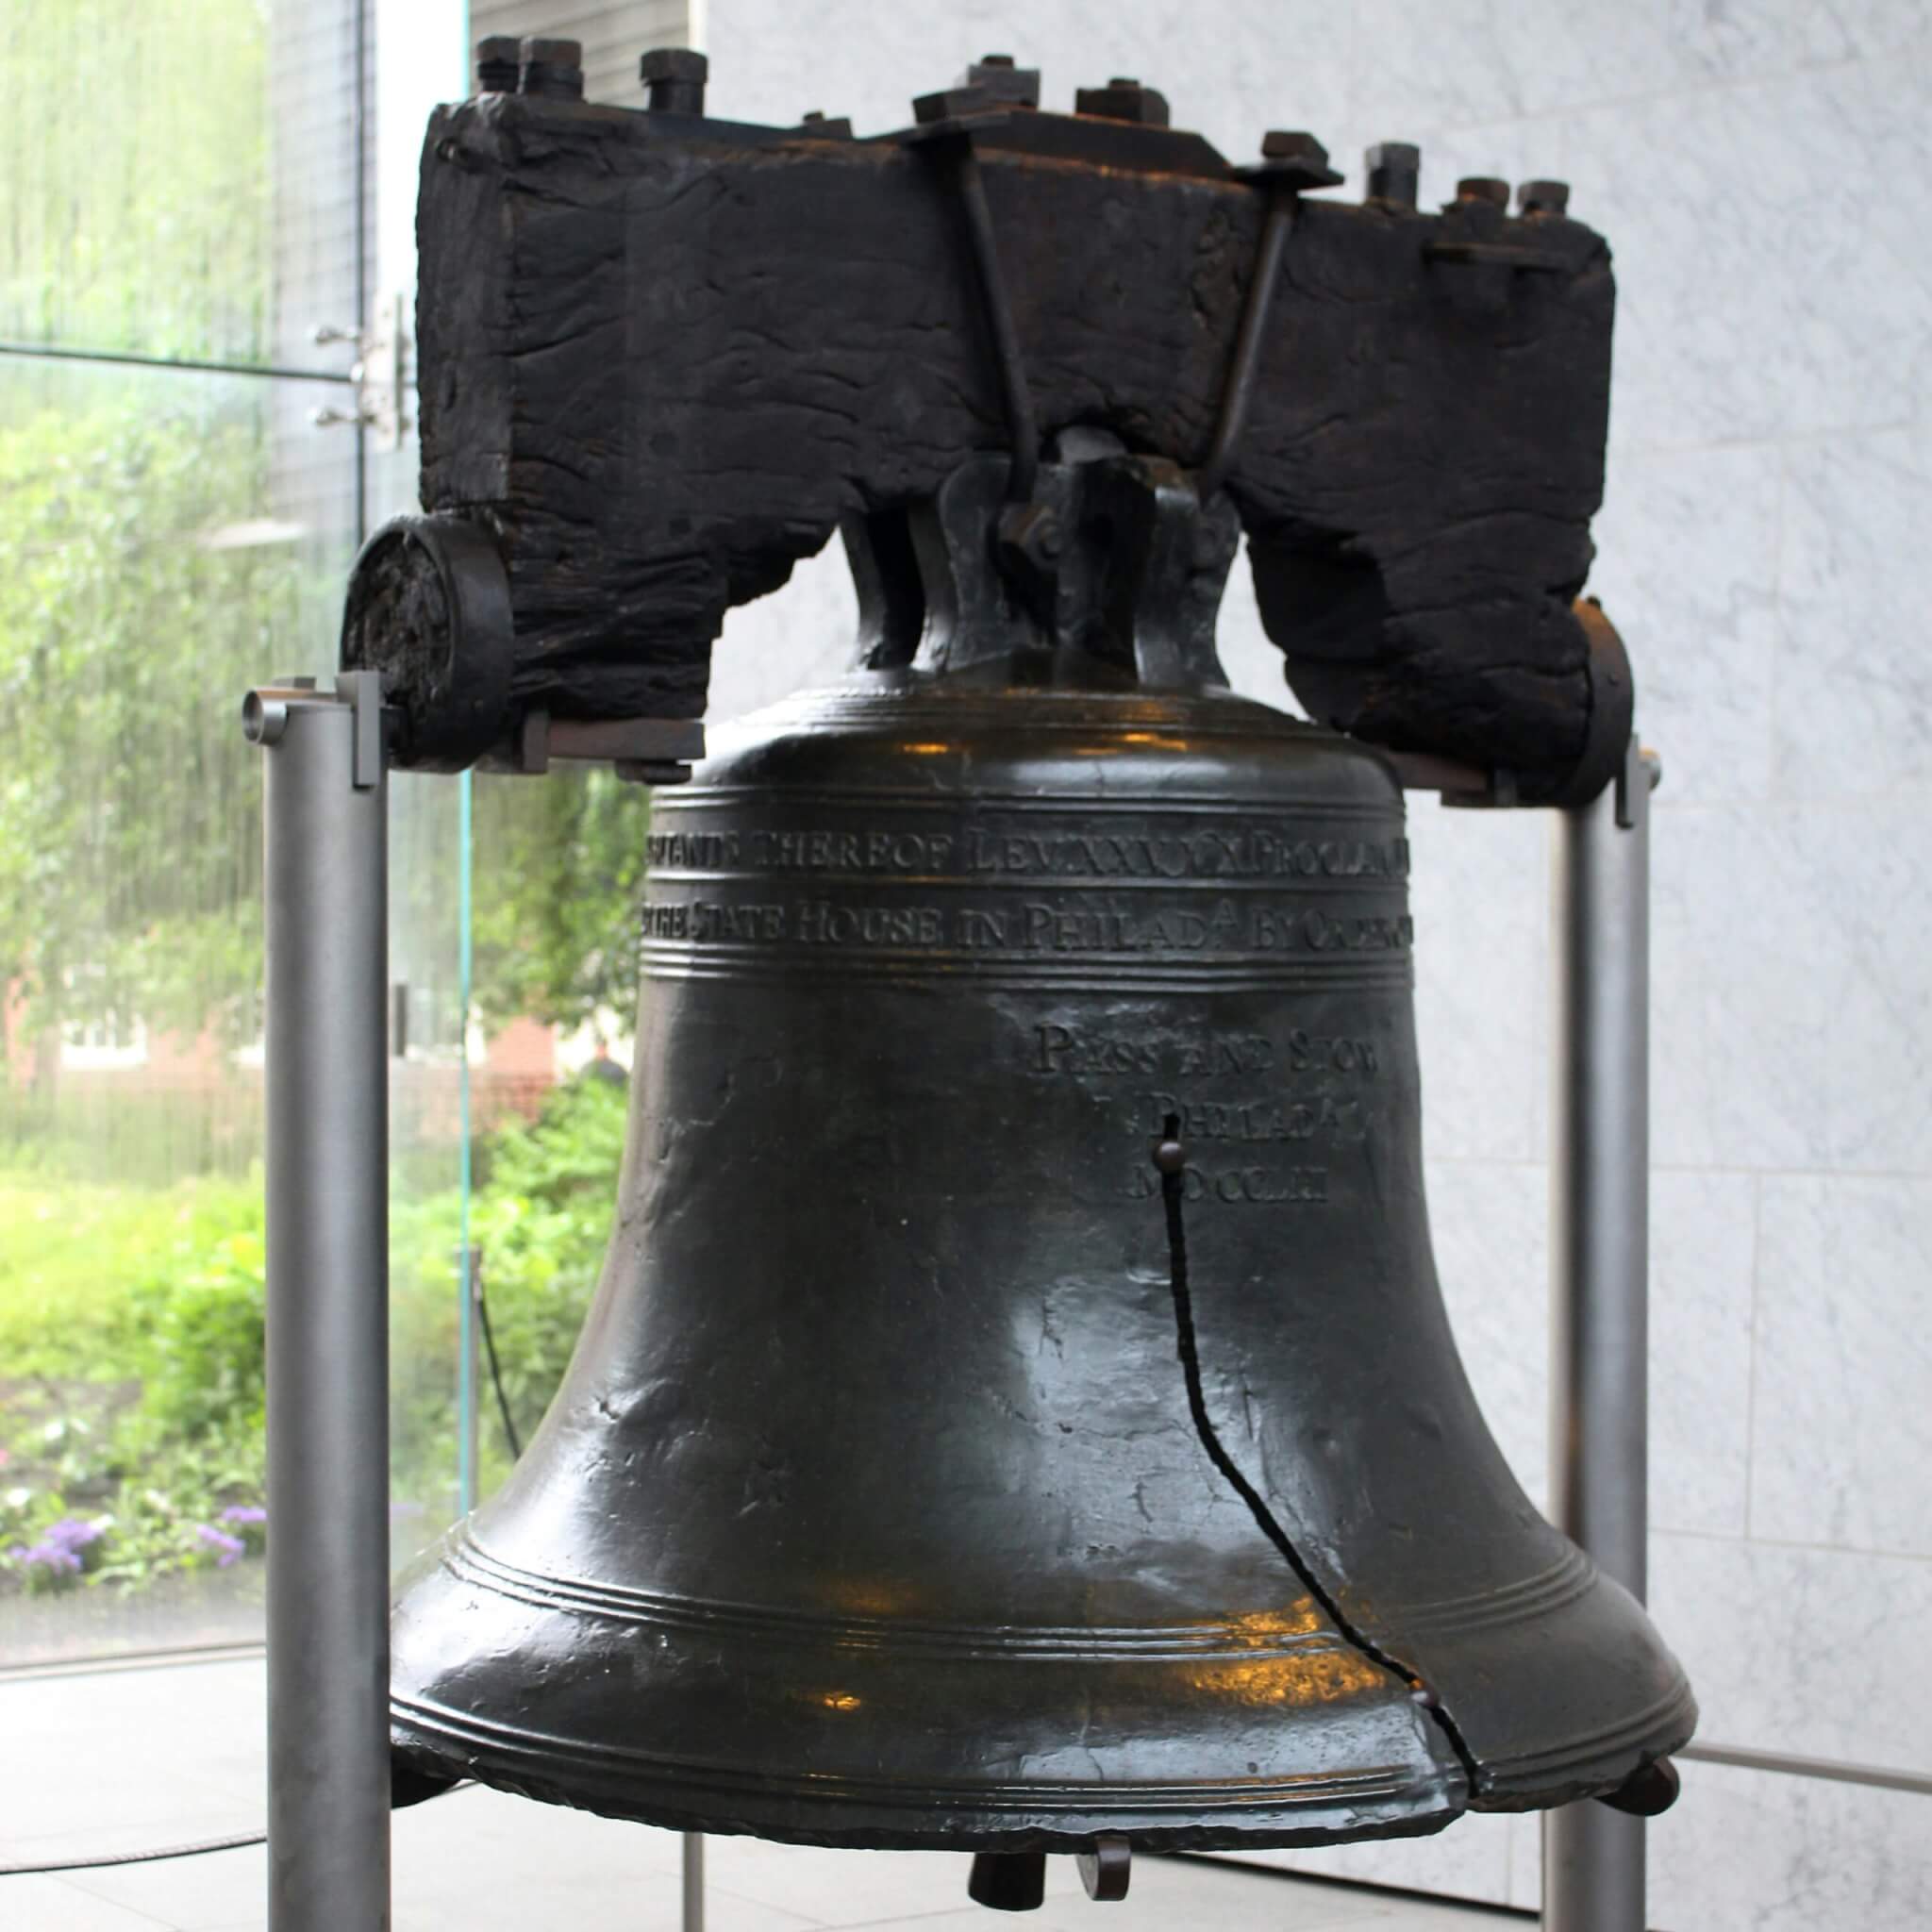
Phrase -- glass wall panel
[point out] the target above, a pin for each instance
(199, 183)
(184, 182)
(156, 559)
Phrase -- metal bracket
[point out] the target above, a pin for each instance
(949, 140)
(1640, 770)
(265, 717)
(381, 374)
(1466, 786)
(1293, 163)
(1497, 255)
(648, 751)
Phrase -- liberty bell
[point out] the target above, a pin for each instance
(1019, 1413)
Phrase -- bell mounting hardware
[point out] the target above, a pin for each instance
(664, 355)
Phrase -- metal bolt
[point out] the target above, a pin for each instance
(1483, 187)
(1292, 144)
(1544, 198)
(1170, 1157)
(1292, 159)
(674, 80)
(950, 104)
(1124, 99)
(1395, 172)
(1002, 79)
(553, 69)
(498, 57)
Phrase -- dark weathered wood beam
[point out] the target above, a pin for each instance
(662, 357)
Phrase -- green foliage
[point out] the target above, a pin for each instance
(540, 1220)
(75, 1256)
(198, 1321)
(137, 188)
(129, 804)
(560, 870)
(133, 1325)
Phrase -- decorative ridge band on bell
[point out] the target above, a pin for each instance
(1019, 1410)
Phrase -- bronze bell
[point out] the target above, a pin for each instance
(1019, 1410)
(1019, 1413)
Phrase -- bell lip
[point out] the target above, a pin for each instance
(802, 1811)
(1591, 1767)
(623, 1754)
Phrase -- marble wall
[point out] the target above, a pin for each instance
(1759, 167)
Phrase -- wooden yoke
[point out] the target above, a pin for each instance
(663, 356)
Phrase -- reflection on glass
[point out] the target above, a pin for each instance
(159, 548)
(184, 185)
(544, 1041)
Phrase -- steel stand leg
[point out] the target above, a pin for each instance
(1593, 1866)
(326, 879)
(694, 1881)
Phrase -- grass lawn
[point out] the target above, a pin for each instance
(71, 1253)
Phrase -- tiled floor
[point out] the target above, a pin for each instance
(162, 1755)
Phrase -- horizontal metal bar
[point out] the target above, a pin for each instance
(1837, 1770)
(133, 358)
(103, 1662)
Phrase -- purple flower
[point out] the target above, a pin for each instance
(56, 1559)
(72, 1533)
(243, 1513)
(227, 1548)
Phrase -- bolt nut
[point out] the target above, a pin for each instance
(950, 104)
(1394, 170)
(553, 69)
(1544, 198)
(1124, 99)
(1292, 144)
(1292, 158)
(674, 80)
(1003, 80)
(498, 59)
(1033, 529)
(1483, 187)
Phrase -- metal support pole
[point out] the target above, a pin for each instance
(326, 880)
(469, 1380)
(1594, 1863)
(694, 1881)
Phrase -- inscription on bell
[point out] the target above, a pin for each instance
(1238, 853)
(1061, 1049)
(801, 849)
(1247, 853)
(1237, 1184)
(1256, 1118)
(1073, 923)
